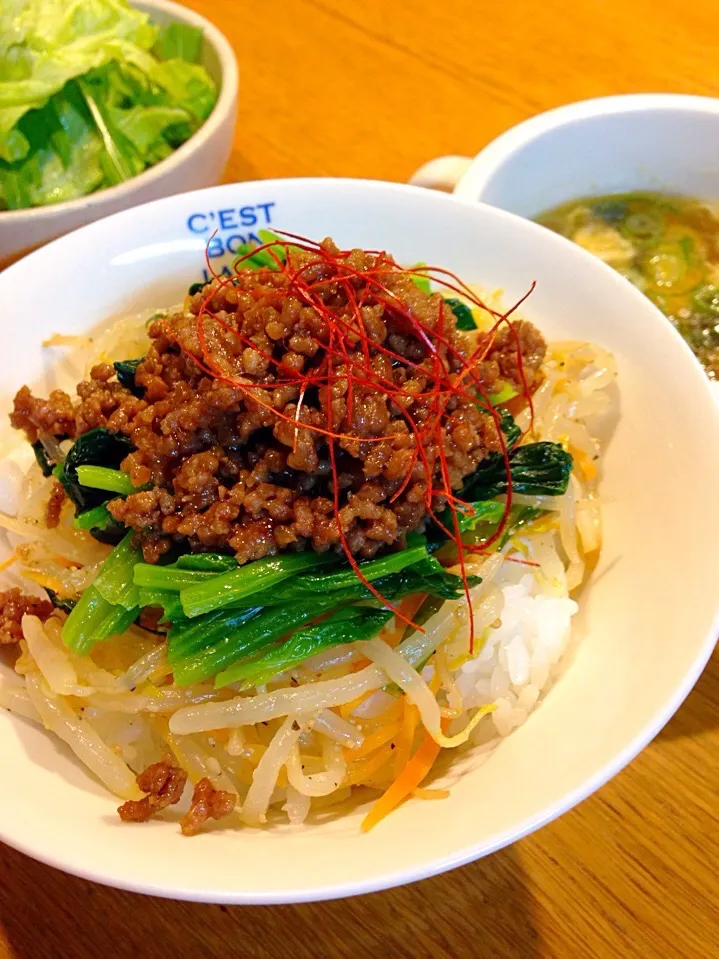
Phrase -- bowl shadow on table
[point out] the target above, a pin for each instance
(482, 910)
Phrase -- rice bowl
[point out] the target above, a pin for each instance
(522, 656)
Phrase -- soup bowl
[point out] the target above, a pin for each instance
(647, 618)
(667, 143)
(655, 142)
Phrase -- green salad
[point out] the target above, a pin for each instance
(91, 94)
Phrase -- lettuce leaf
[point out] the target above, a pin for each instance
(91, 93)
(179, 41)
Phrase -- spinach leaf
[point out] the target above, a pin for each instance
(126, 370)
(65, 604)
(98, 447)
(195, 288)
(538, 469)
(43, 460)
(343, 626)
(101, 526)
(463, 314)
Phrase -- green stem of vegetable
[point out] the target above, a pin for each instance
(208, 562)
(268, 626)
(347, 625)
(114, 581)
(373, 570)
(94, 619)
(169, 577)
(237, 584)
(97, 518)
(109, 480)
(167, 600)
(190, 636)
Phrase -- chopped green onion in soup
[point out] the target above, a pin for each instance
(667, 246)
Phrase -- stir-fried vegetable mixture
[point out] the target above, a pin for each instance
(91, 94)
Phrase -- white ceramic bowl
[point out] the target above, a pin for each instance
(657, 142)
(666, 142)
(647, 622)
(199, 162)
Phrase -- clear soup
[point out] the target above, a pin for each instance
(668, 246)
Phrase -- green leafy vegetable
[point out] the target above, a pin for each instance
(169, 577)
(98, 447)
(126, 370)
(509, 427)
(188, 637)
(103, 478)
(167, 600)
(348, 625)
(420, 279)
(178, 41)
(489, 511)
(538, 469)
(43, 460)
(91, 93)
(98, 518)
(94, 619)
(507, 392)
(114, 581)
(211, 562)
(237, 584)
(67, 605)
(425, 576)
(256, 633)
(463, 314)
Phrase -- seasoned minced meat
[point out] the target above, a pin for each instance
(239, 466)
(163, 782)
(207, 803)
(14, 604)
(53, 509)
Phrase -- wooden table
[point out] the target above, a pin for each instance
(373, 88)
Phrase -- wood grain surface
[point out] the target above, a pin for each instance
(373, 88)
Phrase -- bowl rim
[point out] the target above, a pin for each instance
(472, 850)
(489, 160)
(229, 84)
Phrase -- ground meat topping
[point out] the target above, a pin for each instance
(14, 604)
(53, 508)
(164, 783)
(237, 454)
(207, 803)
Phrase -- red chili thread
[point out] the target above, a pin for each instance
(342, 337)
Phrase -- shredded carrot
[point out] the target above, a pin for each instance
(375, 739)
(414, 773)
(253, 752)
(368, 767)
(8, 562)
(585, 462)
(420, 793)
(67, 563)
(47, 582)
(406, 738)
(391, 714)
(346, 709)
(360, 664)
